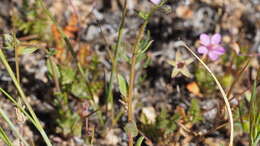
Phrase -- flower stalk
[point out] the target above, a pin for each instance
(135, 50)
(114, 60)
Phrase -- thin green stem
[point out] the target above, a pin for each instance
(55, 76)
(18, 105)
(115, 59)
(132, 70)
(5, 138)
(132, 79)
(237, 79)
(17, 64)
(91, 94)
(24, 98)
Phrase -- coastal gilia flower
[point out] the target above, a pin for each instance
(210, 45)
(180, 66)
(157, 2)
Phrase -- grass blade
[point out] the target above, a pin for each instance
(5, 138)
(24, 98)
(10, 123)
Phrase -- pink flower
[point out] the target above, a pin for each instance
(210, 46)
(156, 1)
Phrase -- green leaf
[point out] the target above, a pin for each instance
(79, 89)
(227, 80)
(51, 52)
(166, 9)
(67, 75)
(205, 81)
(10, 41)
(131, 128)
(143, 15)
(26, 50)
(194, 111)
(139, 141)
(123, 86)
(77, 126)
(55, 68)
(146, 47)
(141, 57)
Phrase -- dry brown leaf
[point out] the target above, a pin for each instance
(70, 31)
(83, 53)
(181, 111)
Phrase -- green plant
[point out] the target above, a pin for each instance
(136, 52)
(194, 112)
(31, 115)
(166, 123)
(5, 138)
(254, 117)
(31, 21)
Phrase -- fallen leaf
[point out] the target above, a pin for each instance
(181, 111)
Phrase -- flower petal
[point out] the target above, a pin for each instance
(213, 55)
(215, 39)
(156, 1)
(218, 49)
(186, 72)
(204, 39)
(189, 61)
(175, 72)
(203, 50)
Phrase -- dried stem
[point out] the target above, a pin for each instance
(222, 92)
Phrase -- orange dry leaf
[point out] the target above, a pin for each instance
(72, 27)
(70, 30)
(84, 52)
(194, 89)
(181, 111)
(60, 51)
(56, 35)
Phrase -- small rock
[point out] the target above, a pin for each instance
(211, 114)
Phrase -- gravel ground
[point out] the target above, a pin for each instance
(237, 20)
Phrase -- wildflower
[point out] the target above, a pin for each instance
(180, 66)
(156, 1)
(210, 46)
